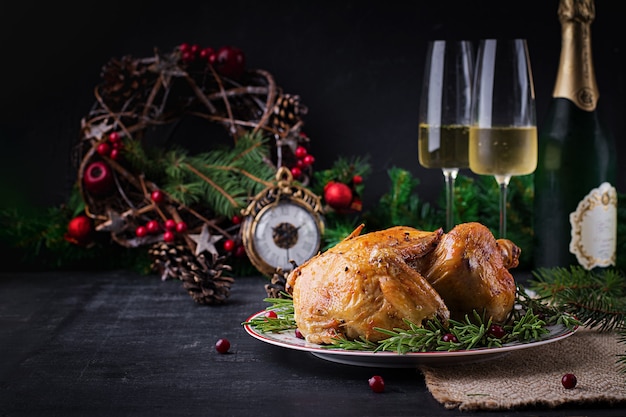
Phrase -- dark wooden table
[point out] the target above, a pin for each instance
(122, 344)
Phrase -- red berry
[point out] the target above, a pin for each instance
(308, 160)
(103, 148)
(236, 219)
(222, 345)
(497, 331)
(299, 334)
(230, 61)
(301, 152)
(114, 137)
(187, 56)
(181, 227)
(208, 54)
(449, 337)
(296, 172)
(357, 179)
(569, 381)
(229, 245)
(152, 226)
(271, 314)
(168, 236)
(376, 383)
(141, 231)
(240, 251)
(115, 154)
(170, 224)
(157, 196)
(184, 46)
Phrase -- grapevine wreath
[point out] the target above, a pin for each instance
(176, 204)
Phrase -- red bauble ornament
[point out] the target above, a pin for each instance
(337, 195)
(98, 178)
(79, 230)
(230, 61)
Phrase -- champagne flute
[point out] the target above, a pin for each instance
(503, 134)
(444, 115)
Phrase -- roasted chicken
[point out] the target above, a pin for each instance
(469, 269)
(379, 279)
(365, 282)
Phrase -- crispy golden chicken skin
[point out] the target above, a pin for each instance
(378, 279)
(469, 269)
(365, 282)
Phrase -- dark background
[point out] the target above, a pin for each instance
(356, 65)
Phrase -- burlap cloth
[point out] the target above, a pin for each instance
(532, 377)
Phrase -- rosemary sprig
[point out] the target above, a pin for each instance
(471, 333)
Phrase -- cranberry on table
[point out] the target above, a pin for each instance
(377, 384)
(222, 345)
(569, 381)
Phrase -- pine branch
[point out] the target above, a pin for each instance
(596, 298)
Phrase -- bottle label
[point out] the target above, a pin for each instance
(594, 228)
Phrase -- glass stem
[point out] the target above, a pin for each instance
(503, 182)
(449, 175)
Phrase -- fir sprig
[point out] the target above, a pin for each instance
(596, 298)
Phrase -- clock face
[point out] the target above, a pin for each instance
(286, 232)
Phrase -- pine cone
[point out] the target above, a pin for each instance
(286, 112)
(276, 287)
(202, 279)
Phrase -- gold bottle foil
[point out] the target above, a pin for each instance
(576, 80)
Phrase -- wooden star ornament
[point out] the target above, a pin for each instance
(205, 241)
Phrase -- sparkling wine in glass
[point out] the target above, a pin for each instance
(444, 114)
(503, 134)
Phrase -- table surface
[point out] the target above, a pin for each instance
(123, 344)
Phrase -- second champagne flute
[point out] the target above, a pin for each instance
(503, 134)
(444, 115)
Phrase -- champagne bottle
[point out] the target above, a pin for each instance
(575, 205)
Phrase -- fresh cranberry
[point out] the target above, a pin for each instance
(299, 334)
(236, 219)
(271, 314)
(449, 337)
(569, 381)
(357, 179)
(222, 345)
(497, 331)
(170, 224)
(377, 384)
